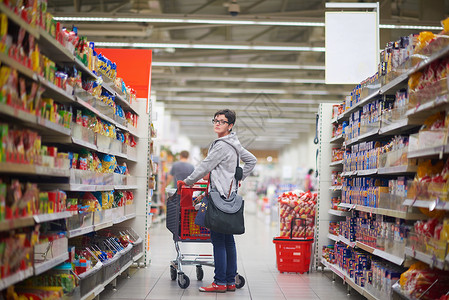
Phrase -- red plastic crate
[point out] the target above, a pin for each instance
(189, 230)
(293, 255)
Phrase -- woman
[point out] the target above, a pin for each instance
(221, 162)
(308, 184)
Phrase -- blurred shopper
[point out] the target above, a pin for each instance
(308, 181)
(221, 162)
(180, 169)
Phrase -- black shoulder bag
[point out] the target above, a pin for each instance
(225, 215)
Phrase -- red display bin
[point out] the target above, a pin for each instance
(293, 255)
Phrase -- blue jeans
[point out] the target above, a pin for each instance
(225, 258)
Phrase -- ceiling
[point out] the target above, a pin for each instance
(272, 74)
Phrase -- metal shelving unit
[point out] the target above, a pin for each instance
(339, 213)
(40, 268)
(345, 277)
(55, 133)
(410, 123)
(431, 260)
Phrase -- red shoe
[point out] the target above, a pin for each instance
(214, 288)
(230, 287)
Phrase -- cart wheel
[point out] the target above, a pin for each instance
(199, 273)
(239, 281)
(172, 273)
(183, 281)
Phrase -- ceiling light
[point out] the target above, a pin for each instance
(247, 91)
(235, 65)
(413, 27)
(208, 46)
(195, 77)
(258, 22)
(240, 100)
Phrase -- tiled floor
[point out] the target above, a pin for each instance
(256, 263)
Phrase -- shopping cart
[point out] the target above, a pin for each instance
(180, 221)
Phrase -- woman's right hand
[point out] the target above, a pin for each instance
(180, 184)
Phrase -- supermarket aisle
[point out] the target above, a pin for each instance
(256, 262)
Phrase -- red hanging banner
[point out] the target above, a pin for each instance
(133, 66)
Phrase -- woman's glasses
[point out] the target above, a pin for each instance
(221, 122)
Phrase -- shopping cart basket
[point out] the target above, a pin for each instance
(180, 220)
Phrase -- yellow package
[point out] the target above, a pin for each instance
(445, 24)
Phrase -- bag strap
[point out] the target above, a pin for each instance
(238, 158)
(238, 165)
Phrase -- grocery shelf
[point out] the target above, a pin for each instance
(340, 213)
(132, 131)
(427, 258)
(4, 58)
(56, 92)
(15, 278)
(126, 187)
(348, 173)
(337, 139)
(342, 274)
(397, 127)
(367, 172)
(51, 217)
(423, 110)
(336, 163)
(33, 120)
(382, 254)
(18, 20)
(426, 204)
(85, 104)
(28, 169)
(335, 187)
(103, 225)
(77, 187)
(131, 158)
(341, 117)
(52, 48)
(333, 237)
(42, 267)
(84, 144)
(360, 103)
(429, 152)
(334, 120)
(124, 218)
(53, 126)
(18, 114)
(347, 205)
(109, 85)
(394, 83)
(379, 253)
(346, 241)
(383, 211)
(397, 170)
(431, 59)
(390, 212)
(80, 231)
(6, 225)
(137, 257)
(397, 289)
(79, 64)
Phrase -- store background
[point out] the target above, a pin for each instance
(271, 73)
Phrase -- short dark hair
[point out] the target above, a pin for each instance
(310, 171)
(184, 154)
(229, 114)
